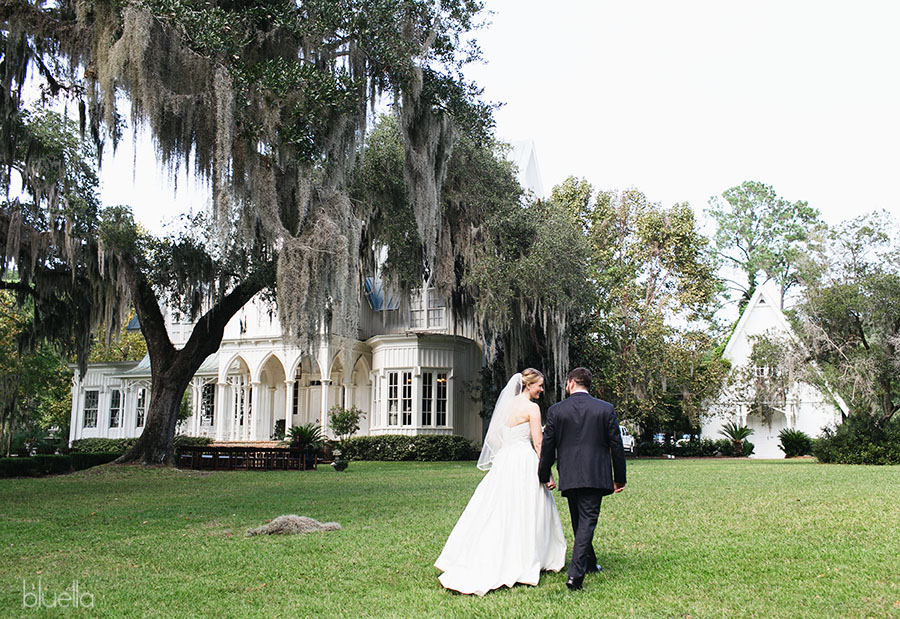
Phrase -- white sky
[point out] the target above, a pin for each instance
(679, 99)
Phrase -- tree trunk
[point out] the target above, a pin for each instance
(155, 445)
(171, 369)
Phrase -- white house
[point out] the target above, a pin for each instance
(412, 370)
(806, 408)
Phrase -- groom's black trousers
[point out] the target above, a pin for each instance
(584, 508)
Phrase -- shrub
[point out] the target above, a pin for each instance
(16, 467)
(423, 448)
(697, 448)
(306, 435)
(861, 439)
(81, 461)
(278, 433)
(794, 443)
(650, 449)
(45, 464)
(102, 445)
(183, 440)
(738, 435)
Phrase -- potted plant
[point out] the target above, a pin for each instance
(344, 423)
(308, 438)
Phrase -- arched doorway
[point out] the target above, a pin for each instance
(361, 393)
(271, 405)
(240, 398)
(306, 399)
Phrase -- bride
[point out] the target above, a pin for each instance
(510, 529)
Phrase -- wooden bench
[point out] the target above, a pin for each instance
(245, 458)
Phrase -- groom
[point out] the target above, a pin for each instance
(582, 432)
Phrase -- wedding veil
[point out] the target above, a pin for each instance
(493, 440)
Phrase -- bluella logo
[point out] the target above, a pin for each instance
(34, 596)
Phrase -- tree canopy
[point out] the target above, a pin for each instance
(851, 314)
(513, 266)
(649, 336)
(268, 101)
(759, 231)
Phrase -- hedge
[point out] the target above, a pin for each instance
(35, 466)
(696, 448)
(102, 445)
(861, 439)
(121, 445)
(422, 448)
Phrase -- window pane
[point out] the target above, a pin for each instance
(115, 408)
(141, 408)
(393, 399)
(406, 404)
(208, 405)
(91, 399)
(427, 395)
(440, 401)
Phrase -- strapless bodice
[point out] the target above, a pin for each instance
(519, 433)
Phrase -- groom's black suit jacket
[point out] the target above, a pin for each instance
(582, 433)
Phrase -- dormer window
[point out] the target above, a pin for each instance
(427, 310)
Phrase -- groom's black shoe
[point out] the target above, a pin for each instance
(593, 568)
(574, 584)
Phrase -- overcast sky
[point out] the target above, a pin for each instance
(680, 99)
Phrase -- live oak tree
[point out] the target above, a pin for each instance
(761, 232)
(267, 101)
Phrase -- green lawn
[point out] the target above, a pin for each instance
(704, 538)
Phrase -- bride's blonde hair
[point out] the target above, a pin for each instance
(530, 376)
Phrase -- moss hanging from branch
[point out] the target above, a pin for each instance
(269, 104)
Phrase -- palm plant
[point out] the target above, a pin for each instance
(794, 443)
(737, 434)
(306, 435)
(309, 438)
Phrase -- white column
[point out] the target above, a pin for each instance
(235, 402)
(325, 406)
(253, 413)
(197, 389)
(221, 409)
(77, 415)
(289, 405)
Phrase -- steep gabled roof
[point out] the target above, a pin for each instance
(763, 295)
(766, 294)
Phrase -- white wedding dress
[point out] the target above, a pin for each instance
(510, 529)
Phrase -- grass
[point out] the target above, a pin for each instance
(698, 538)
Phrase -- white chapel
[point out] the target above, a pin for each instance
(807, 408)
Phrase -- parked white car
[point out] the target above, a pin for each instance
(627, 439)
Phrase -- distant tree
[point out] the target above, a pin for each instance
(851, 315)
(648, 336)
(761, 232)
(127, 345)
(35, 383)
